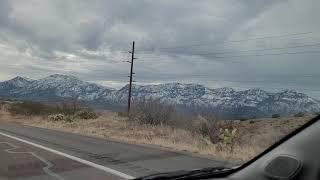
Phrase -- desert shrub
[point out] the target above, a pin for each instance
(61, 118)
(214, 131)
(202, 129)
(275, 115)
(152, 112)
(31, 108)
(122, 114)
(228, 136)
(69, 118)
(208, 125)
(197, 126)
(56, 117)
(222, 131)
(73, 109)
(69, 106)
(86, 114)
(67, 112)
(300, 114)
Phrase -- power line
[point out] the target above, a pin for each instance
(203, 53)
(207, 75)
(265, 49)
(224, 42)
(221, 80)
(274, 54)
(239, 56)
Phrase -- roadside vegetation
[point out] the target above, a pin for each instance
(67, 111)
(153, 122)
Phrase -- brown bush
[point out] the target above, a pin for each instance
(70, 106)
(213, 127)
(56, 117)
(70, 111)
(31, 108)
(153, 112)
(207, 126)
(86, 114)
(217, 130)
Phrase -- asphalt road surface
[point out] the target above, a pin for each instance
(35, 153)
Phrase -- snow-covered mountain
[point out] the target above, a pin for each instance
(225, 101)
(18, 82)
(15, 83)
(53, 87)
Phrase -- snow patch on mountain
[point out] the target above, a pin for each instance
(253, 102)
(16, 82)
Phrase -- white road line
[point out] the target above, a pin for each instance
(48, 163)
(97, 166)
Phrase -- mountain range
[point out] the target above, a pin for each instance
(224, 101)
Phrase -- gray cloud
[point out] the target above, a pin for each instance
(5, 9)
(88, 38)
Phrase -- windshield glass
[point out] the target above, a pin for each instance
(123, 89)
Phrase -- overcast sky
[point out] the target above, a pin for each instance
(269, 44)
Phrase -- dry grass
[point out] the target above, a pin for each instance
(253, 137)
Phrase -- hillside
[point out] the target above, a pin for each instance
(226, 102)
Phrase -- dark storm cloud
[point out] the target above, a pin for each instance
(64, 25)
(92, 35)
(88, 38)
(5, 9)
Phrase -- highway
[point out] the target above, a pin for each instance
(35, 153)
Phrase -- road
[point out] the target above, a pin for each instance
(35, 153)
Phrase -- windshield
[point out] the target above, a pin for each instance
(123, 89)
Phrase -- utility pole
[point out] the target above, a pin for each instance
(131, 74)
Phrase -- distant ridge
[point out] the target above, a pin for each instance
(225, 101)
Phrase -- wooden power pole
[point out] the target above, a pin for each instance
(131, 74)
